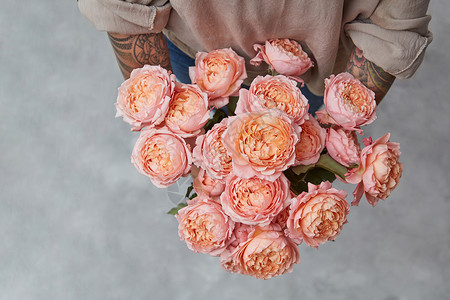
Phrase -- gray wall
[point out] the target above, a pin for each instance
(78, 222)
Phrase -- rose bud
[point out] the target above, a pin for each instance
(162, 156)
(282, 217)
(274, 92)
(318, 215)
(284, 56)
(343, 146)
(144, 98)
(348, 103)
(204, 184)
(379, 171)
(219, 73)
(311, 143)
(210, 153)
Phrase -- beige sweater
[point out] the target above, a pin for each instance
(391, 33)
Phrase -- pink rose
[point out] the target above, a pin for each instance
(274, 92)
(162, 156)
(282, 217)
(240, 235)
(219, 73)
(267, 253)
(204, 184)
(318, 215)
(210, 153)
(255, 201)
(143, 99)
(348, 103)
(261, 144)
(311, 144)
(204, 227)
(379, 170)
(343, 146)
(188, 110)
(284, 55)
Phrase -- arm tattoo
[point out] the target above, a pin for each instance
(135, 51)
(372, 76)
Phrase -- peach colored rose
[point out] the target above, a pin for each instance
(261, 144)
(379, 170)
(204, 226)
(343, 146)
(144, 98)
(188, 110)
(348, 103)
(161, 155)
(282, 217)
(311, 143)
(274, 92)
(219, 73)
(204, 184)
(255, 201)
(284, 55)
(317, 216)
(240, 235)
(267, 253)
(210, 153)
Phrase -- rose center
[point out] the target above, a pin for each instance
(263, 143)
(268, 262)
(215, 68)
(253, 196)
(157, 158)
(143, 93)
(183, 107)
(199, 230)
(354, 98)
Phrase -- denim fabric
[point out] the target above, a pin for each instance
(181, 63)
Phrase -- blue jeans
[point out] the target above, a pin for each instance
(181, 62)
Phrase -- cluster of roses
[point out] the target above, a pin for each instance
(244, 210)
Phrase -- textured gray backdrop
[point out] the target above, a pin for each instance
(78, 222)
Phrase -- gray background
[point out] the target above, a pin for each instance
(78, 222)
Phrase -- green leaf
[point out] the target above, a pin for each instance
(231, 106)
(302, 169)
(298, 185)
(325, 169)
(328, 163)
(189, 190)
(219, 115)
(175, 210)
(318, 175)
(193, 196)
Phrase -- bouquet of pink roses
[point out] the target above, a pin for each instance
(264, 165)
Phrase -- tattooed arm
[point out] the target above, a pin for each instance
(134, 51)
(372, 76)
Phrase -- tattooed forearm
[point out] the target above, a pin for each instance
(374, 77)
(134, 51)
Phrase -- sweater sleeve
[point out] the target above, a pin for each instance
(127, 16)
(395, 36)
